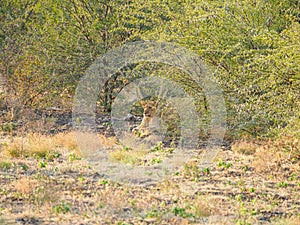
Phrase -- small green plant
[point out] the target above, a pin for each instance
(253, 212)
(239, 197)
(123, 223)
(283, 184)
(245, 168)
(228, 182)
(8, 127)
(251, 190)
(182, 212)
(23, 166)
(104, 182)
(5, 165)
(81, 178)
(42, 164)
(127, 148)
(73, 157)
(107, 124)
(78, 119)
(241, 222)
(206, 171)
(293, 177)
(62, 208)
(158, 147)
(40, 155)
(224, 165)
(191, 170)
(89, 167)
(156, 160)
(152, 214)
(55, 155)
(127, 156)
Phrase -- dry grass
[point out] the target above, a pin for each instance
(108, 141)
(273, 156)
(75, 192)
(66, 140)
(203, 207)
(32, 145)
(265, 161)
(40, 146)
(288, 221)
(246, 147)
(289, 144)
(25, 185)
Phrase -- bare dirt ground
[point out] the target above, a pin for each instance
(44, 180)
(237, 189)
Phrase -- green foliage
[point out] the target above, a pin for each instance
(224, 165)
(283, 184)
(5, 165)
(42, 164)
(104, 182)
(8, 127)
(251, 46)
(55, 42)
(206, 171)
(62, 208)
(73, 157)
(158, 147)
(182, 212)
(156, 160)
(153, 214)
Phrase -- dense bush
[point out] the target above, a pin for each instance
(252, 46)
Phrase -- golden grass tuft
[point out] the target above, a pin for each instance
(32, 145)
(273, 155)
(25, 185)
(266, 160)
(202, 207)
(289, 144)
(38, 145)
(66, 141)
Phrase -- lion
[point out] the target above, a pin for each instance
(169, 121)
(149, 108)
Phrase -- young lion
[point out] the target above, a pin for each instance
(143, 129)
(169, 120)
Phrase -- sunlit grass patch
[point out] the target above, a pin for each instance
(35, 145)
(40, 146)
(4, 165)
(131, 157)
(66, 140)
